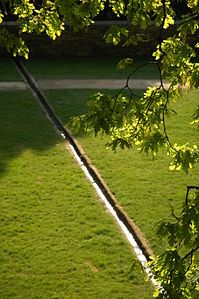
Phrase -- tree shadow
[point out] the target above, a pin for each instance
(69, 103)
(23, 126)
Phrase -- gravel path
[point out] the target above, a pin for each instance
(81, 84)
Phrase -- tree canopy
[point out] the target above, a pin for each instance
(130, 119)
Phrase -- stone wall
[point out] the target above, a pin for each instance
(88, 42)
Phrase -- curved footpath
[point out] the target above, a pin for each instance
(82, 84)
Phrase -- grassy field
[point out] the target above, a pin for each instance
(144, 187)
(86, 68)
(57, 240)
(37, 234)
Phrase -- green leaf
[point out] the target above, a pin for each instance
(124, 63)
(1, 17)
(115, 33)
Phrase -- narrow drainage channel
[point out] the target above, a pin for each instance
(131, 231)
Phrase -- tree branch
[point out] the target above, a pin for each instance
(190, 253)
(160, 38)
(187, 194)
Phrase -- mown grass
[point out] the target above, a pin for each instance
(57, 240)
(87, 68)
(142, 185)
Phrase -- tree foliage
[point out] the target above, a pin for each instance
(133, 120)
(128, 118)
(177, 269)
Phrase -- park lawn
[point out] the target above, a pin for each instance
(87, 68)
(142, 185)
(57, 240)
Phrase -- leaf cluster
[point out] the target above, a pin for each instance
(177, 269)
(142, 121)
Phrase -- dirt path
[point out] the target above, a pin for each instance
(81, 84)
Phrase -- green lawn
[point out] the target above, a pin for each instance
(86, 68)
(144, 187)
(41, 254)
(57, 240)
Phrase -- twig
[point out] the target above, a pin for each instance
(164, 121)
(187, 194)
(137, 69)
(191, 252)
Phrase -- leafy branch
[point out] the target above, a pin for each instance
(188, 190)
(142, 120)
(177, 269)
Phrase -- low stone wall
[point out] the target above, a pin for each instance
(88, 42)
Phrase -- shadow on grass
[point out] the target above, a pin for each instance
(69, 103)
(23, 126)
(8, 71)
(88, 68)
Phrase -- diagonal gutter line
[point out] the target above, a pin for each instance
(131, 231)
